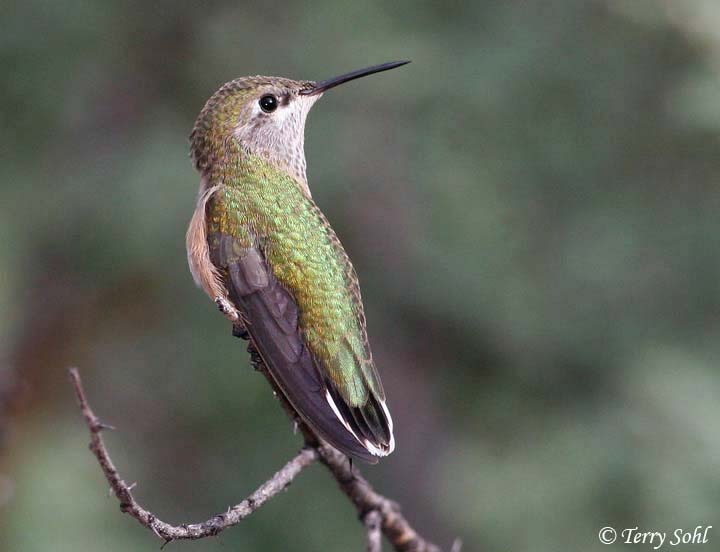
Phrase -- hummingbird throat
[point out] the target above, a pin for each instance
(279, 139)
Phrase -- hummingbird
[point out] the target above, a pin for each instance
(263, 251)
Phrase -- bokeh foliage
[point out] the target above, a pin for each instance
(532, 207)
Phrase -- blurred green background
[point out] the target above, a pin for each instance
(533, 207)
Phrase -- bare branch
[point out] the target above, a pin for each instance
(377, 512)
(165, 531)
(394, 525)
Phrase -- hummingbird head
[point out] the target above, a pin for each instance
(263, 116)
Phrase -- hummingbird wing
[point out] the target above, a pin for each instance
(271, 315)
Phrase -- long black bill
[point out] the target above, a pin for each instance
(322, 86)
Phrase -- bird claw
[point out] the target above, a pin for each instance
(227, 308)
(240, 331)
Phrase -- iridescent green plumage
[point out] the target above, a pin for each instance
(261, 205)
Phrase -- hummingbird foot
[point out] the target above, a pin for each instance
(240, 331)
(227, 308)
(255, 358)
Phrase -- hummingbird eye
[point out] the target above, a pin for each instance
(268, 103)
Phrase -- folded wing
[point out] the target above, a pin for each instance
(271, 312)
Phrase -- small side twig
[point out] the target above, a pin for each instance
(395, 527)
(166, 531)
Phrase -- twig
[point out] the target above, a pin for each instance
(375, 510)
(373, 521)
(165, 531)
(394, 525)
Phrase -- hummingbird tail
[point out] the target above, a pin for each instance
(370, 424)
(271, 316)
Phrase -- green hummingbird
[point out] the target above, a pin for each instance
(262, 250)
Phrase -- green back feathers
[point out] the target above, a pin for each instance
(262, 206)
